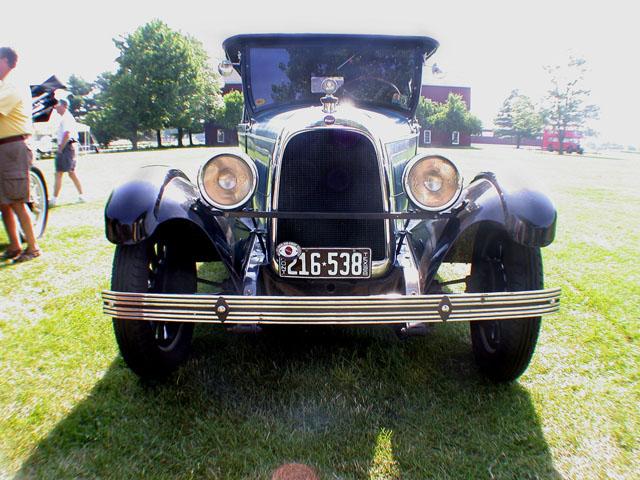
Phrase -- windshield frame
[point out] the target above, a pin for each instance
(239, 47)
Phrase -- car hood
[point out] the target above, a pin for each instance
(382, 126)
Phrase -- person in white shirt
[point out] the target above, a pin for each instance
(65, 161)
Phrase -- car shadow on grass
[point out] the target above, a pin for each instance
(245, 404)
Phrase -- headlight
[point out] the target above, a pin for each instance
(227, 181)
(433, 183)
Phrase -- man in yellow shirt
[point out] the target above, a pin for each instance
(15, 160)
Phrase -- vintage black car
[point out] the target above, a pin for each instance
(327, 213)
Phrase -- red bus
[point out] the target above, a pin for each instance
(570, 144)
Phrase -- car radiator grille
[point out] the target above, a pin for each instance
(331, 171)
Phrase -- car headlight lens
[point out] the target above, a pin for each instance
(227, 181)
(433, 182)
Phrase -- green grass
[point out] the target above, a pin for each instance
(351, 403)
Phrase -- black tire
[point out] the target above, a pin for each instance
(503, 348)
(153, 349)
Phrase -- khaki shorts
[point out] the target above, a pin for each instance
(66, 160)
(15, 160)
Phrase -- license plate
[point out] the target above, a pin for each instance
(327, 263)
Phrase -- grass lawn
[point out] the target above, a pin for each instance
(351, 403)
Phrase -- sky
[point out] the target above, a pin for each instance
(491, 46)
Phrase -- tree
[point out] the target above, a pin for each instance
(198, 94)
(427, 112)
(162, 81)
(104, 126)
(448, 117)
(518, 118)
(82, 96)
(566, 106)
(118, 115)
(454, 116)
(231, 112)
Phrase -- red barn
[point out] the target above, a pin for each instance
(214, 135)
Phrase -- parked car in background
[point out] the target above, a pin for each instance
(327, 214)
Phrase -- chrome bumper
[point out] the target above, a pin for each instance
(378, 309)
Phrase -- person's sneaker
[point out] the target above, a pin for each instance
(81, 199)
(53, 201)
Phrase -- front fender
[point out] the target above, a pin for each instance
(154, 196)
(526, 216)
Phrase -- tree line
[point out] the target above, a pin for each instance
(163, 80)
(564, 108)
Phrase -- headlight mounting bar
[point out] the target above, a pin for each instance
(421, 215)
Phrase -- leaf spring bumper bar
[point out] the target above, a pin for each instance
(348, 310)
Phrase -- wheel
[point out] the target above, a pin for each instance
(153, 349)
(38, 203)
(503, 348)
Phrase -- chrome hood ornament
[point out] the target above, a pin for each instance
(329, 86)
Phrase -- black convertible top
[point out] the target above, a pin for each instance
(235, 44)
